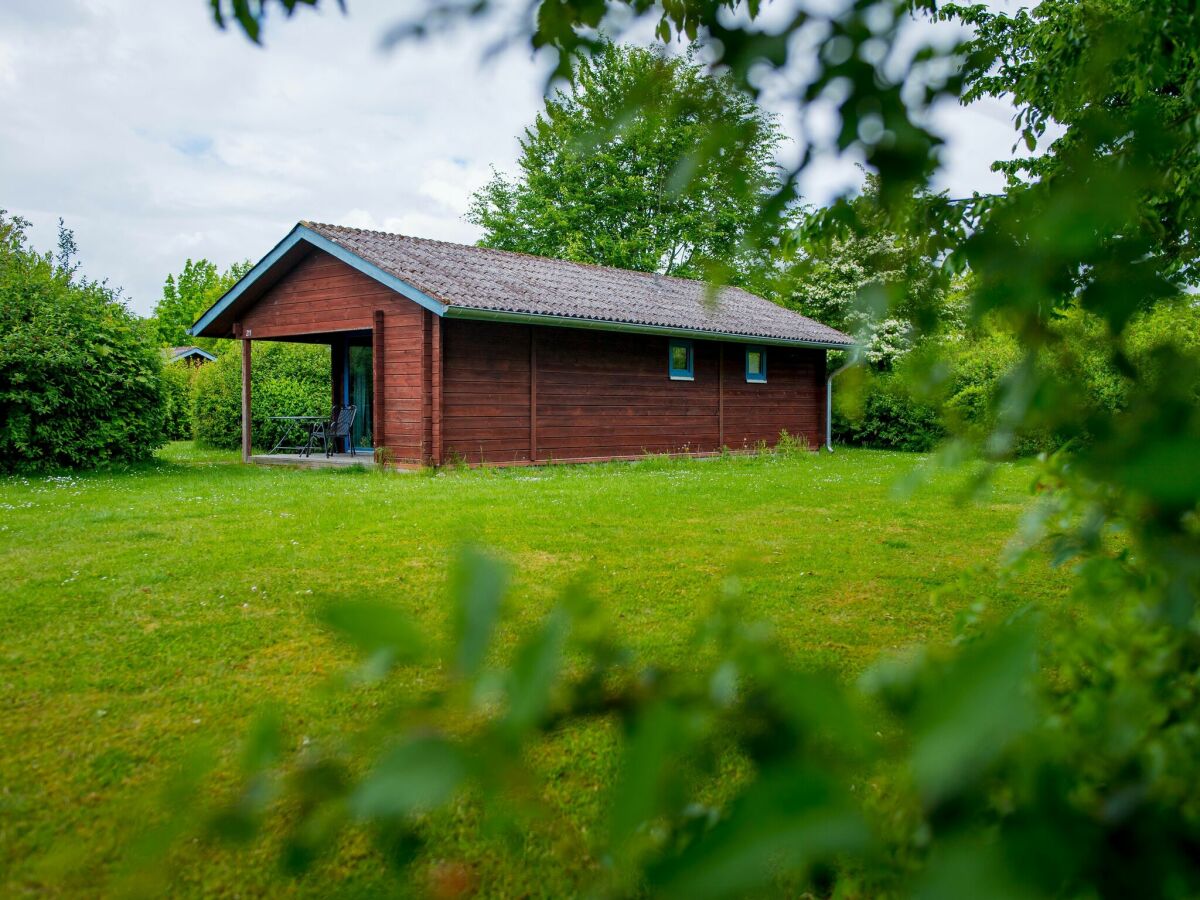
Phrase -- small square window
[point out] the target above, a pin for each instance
(679, 360)
(756, 364)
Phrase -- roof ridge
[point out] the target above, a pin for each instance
(520, 253)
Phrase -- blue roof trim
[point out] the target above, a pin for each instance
(193, 351)
(303, 233)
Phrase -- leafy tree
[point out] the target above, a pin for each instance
(1120, 78)
(80, 375)
(612, 171)
(186, 297)
(868, 281)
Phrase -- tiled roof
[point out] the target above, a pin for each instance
(481, 279)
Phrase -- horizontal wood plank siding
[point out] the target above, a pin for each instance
(606, 394)
(609, 394)
(324, 296)
(791, 399)
(485, 392)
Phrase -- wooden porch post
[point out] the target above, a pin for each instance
(246, 448)
(436, 387)
(379, 432)
(426, 449)
(337, 361)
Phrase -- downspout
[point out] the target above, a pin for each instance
(854, 360)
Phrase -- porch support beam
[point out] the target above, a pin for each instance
(436, 388)
(426, 449)
(247, 450)
(379, 432)
(337, 372)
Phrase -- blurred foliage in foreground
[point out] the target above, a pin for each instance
(998, 773)
(941, 771)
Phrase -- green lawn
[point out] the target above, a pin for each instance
(145, 612)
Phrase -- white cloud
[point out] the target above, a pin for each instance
(156, 136)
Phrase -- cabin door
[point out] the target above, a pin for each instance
(360, 390)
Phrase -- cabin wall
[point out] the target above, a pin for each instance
(324, 296)
(792, 399)
(606, 394)
(485, 391)
(609, 394)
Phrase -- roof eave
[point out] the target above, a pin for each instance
(492, 315)
(302, 233)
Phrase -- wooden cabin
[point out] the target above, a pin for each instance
(453, 352)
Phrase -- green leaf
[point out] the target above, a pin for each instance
(654, 742)
(247, 19)
(786, 821)
(534, 671)
(264, 743)
(981, 872)
(478, 586)
(1168, 471)
(415, 777)
(973, 711)
(374, 627)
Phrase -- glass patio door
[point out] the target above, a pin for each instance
(360, 390)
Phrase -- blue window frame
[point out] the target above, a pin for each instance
(756, 364)
(680, 360)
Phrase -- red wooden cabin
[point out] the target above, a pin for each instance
(458, 352)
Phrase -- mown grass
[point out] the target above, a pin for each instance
(146, 612)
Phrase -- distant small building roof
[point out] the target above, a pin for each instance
(461, 281)
(174, 354)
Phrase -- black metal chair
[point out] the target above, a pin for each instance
(338, 426)
(318, 430)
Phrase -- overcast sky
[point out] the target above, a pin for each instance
(158, 137)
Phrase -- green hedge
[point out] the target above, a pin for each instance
(880, 411)
(286, 380)
(177, 392)
(80, 375)
(951, 385)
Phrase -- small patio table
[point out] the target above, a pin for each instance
(291, 425)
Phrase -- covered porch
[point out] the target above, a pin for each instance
(353, 381)
(384, 337)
